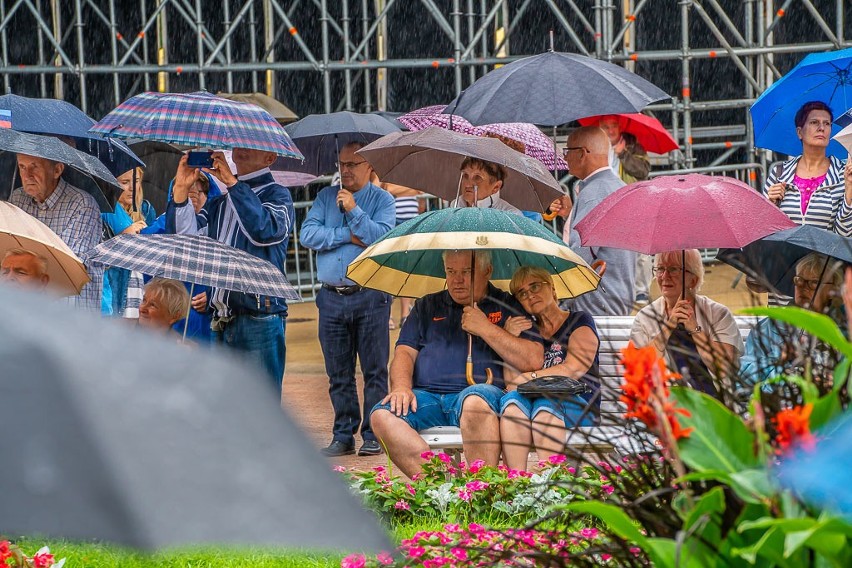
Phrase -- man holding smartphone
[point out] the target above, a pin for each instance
(255, 216)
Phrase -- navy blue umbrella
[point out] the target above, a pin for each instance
(772, 260)
(321, 136)
(59, 118)
(554, 88)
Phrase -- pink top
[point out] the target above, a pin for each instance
(807, 187)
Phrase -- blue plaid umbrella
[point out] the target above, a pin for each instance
(197, 119)
(194, 259)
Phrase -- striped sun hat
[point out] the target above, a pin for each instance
(197, 119)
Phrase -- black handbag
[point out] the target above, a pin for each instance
(556, 387)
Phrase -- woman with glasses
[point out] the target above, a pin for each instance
(570, 342)
(773, 347)
(698, 337)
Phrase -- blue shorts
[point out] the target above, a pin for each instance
(445, 409)
(569, 411)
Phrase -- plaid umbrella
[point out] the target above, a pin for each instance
(536, 144)
(197, 119)
(194, 259)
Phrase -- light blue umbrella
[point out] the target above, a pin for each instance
(825, 77)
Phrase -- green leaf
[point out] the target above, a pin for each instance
(768, 546)
(719, 440)
(824, 410)
(692, 554)
(706, 511)
(841, 375)
(819, 325)
(616, 519)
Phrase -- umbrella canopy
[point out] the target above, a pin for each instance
(174, 446)
(407, 260)
(276, 108)
(649, 131)
(161, 161)
(59, 118)
(195, 259)
(321, 136)
(535, 143)
(54, 149)
(772, 259)
(678, 212)
(197, 119)
(825, 77)
(18, 229)
(554, 88)
(844, 138)
(430, 160)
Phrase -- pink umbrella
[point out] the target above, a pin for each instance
(649, 131)
(536, 144)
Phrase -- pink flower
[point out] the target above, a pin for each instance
(476, 466)
(475, 528)
(427, 455)
(43, 559)
(572, 471)
(589, 533)
(445, 458)
(476, 485)
(556, 459)
(464, 495)
(459, 553)
(513, 473)
(402, 504)
(416, 551)
(606, 557)
(608, 489)
(635, 550)
(339, 468)
(353, 561)
(605, 465)
(410, 489)
(384, 558)
(452, 528)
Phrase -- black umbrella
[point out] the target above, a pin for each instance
(321, 136)
(161, 162)
(52, 148)
(554, 88)
(772, 260)
(111, 433)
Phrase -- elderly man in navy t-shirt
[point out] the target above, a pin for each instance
(427, 375)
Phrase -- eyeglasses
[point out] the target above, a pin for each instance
(672, 270)
(350, 165)
(800, 282)
(533, 288)
(570, 148)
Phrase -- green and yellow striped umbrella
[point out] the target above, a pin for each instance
(407, 261)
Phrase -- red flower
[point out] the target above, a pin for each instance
(43, 560)
(793, 427)
(646, 381)
(5, 551)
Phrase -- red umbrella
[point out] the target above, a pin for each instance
(649, 131)
(677, 212)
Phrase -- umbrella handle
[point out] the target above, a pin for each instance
(599, 266)
(548, 215)
(468, 374)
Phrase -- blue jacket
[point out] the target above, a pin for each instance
(264, 218)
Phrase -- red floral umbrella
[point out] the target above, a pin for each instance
(648, 131)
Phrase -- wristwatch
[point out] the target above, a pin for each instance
(696, 330)
(533, 375)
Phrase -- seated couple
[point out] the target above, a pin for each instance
(427, 375)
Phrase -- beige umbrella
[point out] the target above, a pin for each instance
(276, 108)
(18, 229)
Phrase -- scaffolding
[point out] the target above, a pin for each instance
(96, 53)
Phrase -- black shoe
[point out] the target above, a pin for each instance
(338, 448)
(370, 448)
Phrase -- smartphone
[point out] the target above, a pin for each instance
(202, 159)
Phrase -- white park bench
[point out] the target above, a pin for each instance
(614, 333)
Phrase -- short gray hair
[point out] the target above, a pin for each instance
(816, 263)
(692, 262)
(40, 260)
(483, 257)
(172, 294)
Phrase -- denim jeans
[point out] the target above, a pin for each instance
(261, 338)
(350, 326)
(446, 409)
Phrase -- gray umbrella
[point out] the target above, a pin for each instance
(554, 88)
(430, 160)
(113, 434)
(52, 148)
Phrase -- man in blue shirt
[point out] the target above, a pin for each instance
(352, 320)
(428, 386)
(255, 216)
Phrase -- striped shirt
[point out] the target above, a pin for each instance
(827, 207)
(406, 208)
(74, 215)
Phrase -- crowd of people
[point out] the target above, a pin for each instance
(517, 337)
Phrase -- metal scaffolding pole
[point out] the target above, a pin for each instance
(81, 57)
(326, 72)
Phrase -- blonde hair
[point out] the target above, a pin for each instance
(692, 261)
(136, 216)
(827, 271)
(172, 294)
(525, 272)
